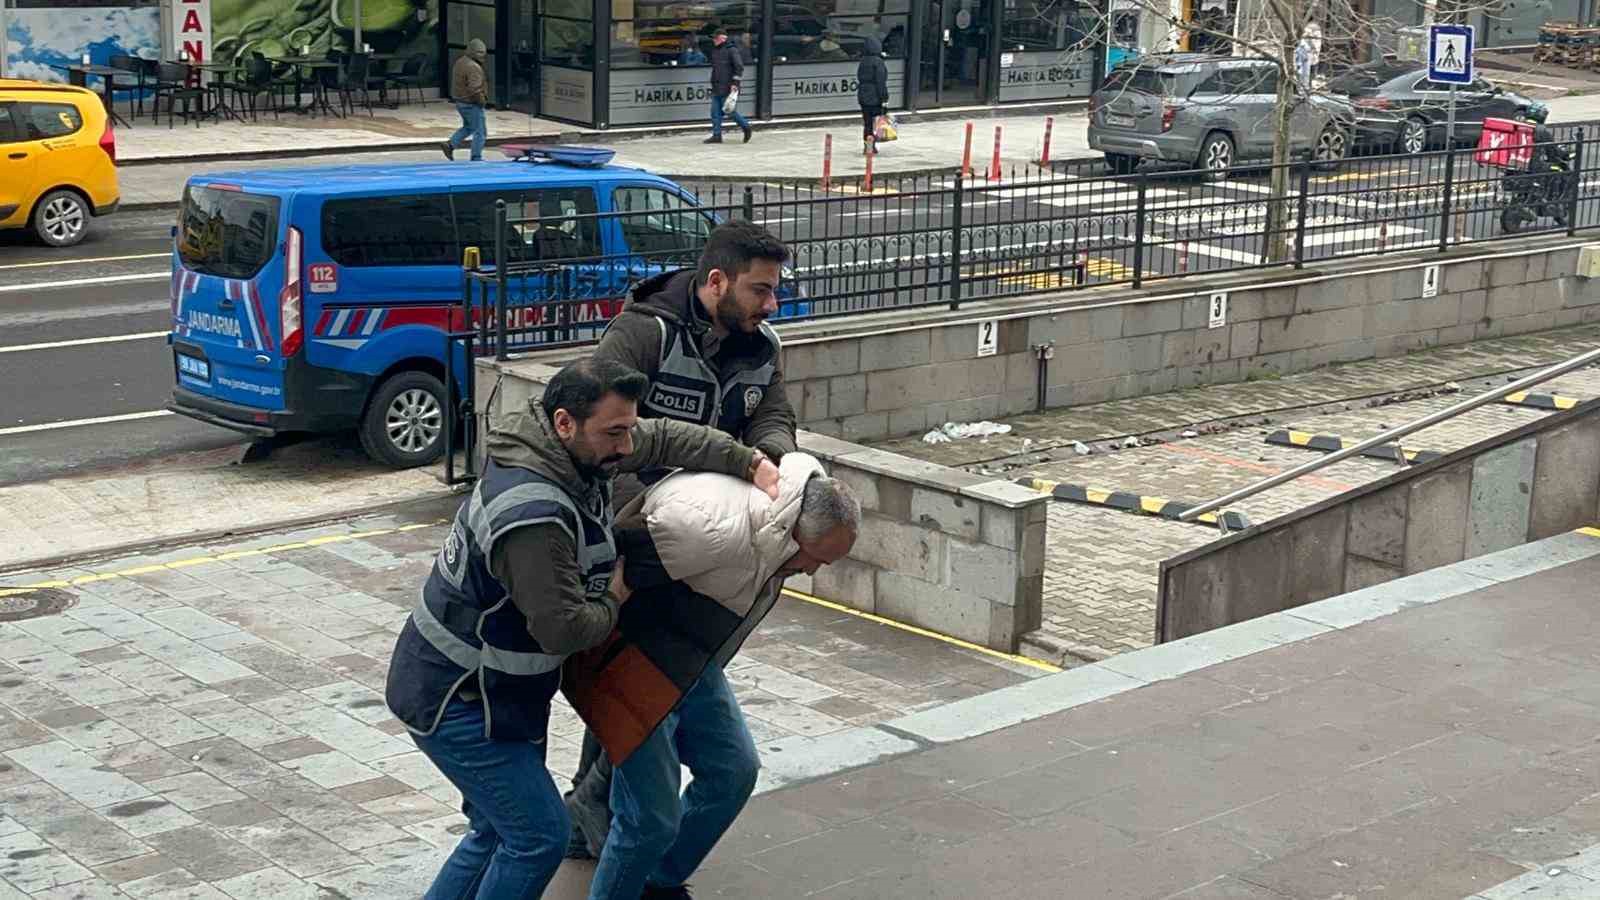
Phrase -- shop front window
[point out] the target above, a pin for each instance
(1048, 25)
(812, 31)
(668, 33)
(566, 33)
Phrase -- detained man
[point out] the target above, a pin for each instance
(705, 557)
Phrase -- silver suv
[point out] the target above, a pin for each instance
(1210, 112)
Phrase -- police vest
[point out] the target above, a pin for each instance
(466, 625)
(688, 389)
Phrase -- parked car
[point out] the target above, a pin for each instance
(1399, 110)
(1208, 111)
(318, 299)
(58, 160)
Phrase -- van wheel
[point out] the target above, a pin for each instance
(61, 219)
(404, 424)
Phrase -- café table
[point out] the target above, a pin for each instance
(220, 74)
(78, 74)
(319, 99)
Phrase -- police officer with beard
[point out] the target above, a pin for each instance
(702, 339)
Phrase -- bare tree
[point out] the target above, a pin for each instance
(1285, 36)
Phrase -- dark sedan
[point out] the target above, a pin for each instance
(1398, 110)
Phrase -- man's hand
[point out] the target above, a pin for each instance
(765, 477)
(619, 585)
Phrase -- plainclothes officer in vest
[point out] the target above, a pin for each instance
(527, 575)
(701, 337)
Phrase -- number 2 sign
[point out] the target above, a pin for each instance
(988, 337)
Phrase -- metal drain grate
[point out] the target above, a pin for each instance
(34, 604)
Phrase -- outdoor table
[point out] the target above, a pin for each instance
(381, 73)
(221, 73)
(78, 74)
(313, 63)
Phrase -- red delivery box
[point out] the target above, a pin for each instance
(1505, 144)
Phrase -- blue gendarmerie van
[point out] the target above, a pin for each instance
(318, 299)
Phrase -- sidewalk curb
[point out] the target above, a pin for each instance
(214, 535)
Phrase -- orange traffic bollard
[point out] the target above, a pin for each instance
(1183, 257)
(966, 154)
(994, 164)
(1044, 157)
(866, 183)
(827, 161)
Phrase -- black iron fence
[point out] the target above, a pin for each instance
(942, 240)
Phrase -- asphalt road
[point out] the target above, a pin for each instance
(83, 328)
(105, 298)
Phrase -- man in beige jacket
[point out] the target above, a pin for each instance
(470, 90)
(705, 558)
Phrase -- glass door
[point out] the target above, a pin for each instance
(524, 56)
(465, 20)
(961, 50)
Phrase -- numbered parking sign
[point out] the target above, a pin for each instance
(1450, 54)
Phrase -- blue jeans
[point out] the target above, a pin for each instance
(473, 126)
(658, 837)
(716, 115)
(518, 824)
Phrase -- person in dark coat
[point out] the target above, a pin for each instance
(872, 91)
(727, 68)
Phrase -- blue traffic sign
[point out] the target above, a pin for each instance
(1450, 54)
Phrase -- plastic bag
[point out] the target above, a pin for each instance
(884, 129)
(732, 102)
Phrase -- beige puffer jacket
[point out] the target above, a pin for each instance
(723, 537)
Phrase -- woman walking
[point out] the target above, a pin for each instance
(872, 91)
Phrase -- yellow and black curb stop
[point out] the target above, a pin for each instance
(1329, 443)
(1138, 504)
(1540, 401)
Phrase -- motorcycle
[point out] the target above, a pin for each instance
(1545, 189)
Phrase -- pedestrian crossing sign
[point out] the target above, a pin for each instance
(1450, 54)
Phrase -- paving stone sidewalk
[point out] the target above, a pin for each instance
(210, 723)
(1100, 578)
(774, 153)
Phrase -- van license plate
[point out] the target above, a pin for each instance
(194, 368)
(1119, 121)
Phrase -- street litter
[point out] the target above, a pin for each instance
(958, 430)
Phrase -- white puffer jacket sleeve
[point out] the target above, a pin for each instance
(721, 535)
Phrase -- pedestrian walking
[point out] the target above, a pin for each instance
(872, 92)
(528, 575)
(470, 91)
(727, 68)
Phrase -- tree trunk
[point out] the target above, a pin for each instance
(1278, 201)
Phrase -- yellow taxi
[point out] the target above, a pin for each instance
(58, 160)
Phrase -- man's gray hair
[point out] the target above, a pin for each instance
(826, 504)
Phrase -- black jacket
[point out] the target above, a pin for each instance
(727, 67)
(662, 316)
(872, 76)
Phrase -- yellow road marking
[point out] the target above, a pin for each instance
(213, 558)
(79, 262)
(953, 641)
(1591, 532)
(341, 538)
